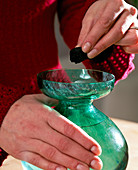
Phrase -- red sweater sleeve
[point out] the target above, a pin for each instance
(115, 61)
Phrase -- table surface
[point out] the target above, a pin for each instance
(129, 130)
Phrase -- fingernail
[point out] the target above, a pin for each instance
(86, 47)
(96, 164)
(81, 167)
(92, 53)
(96, 150)
(77, 45)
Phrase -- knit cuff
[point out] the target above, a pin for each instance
(3, 156)
(113, 60)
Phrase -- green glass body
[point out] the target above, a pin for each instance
(97, 125)
(75, 90)
(101, 128)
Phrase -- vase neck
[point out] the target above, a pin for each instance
(76, 102)
(81, 112)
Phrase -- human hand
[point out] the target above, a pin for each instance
(106, 23)
(36, 133)
(130, 41)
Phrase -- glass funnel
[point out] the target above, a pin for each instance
(75, 89)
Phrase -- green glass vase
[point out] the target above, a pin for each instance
(75, 90)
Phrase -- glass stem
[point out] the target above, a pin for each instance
(82, 113)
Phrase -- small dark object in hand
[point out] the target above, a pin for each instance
(77, 55)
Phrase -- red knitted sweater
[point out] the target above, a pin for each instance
(28, 46)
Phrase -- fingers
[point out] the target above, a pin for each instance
(52, 154)
(106, 29)
(37, 160)
(57, 135)
(67, 128)
(131, 38)
(131, 49)
(90, 20)
(47, 138)
(115, 34)
(130, 42)
(102, 26)
(66, 146)
(84, 31)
